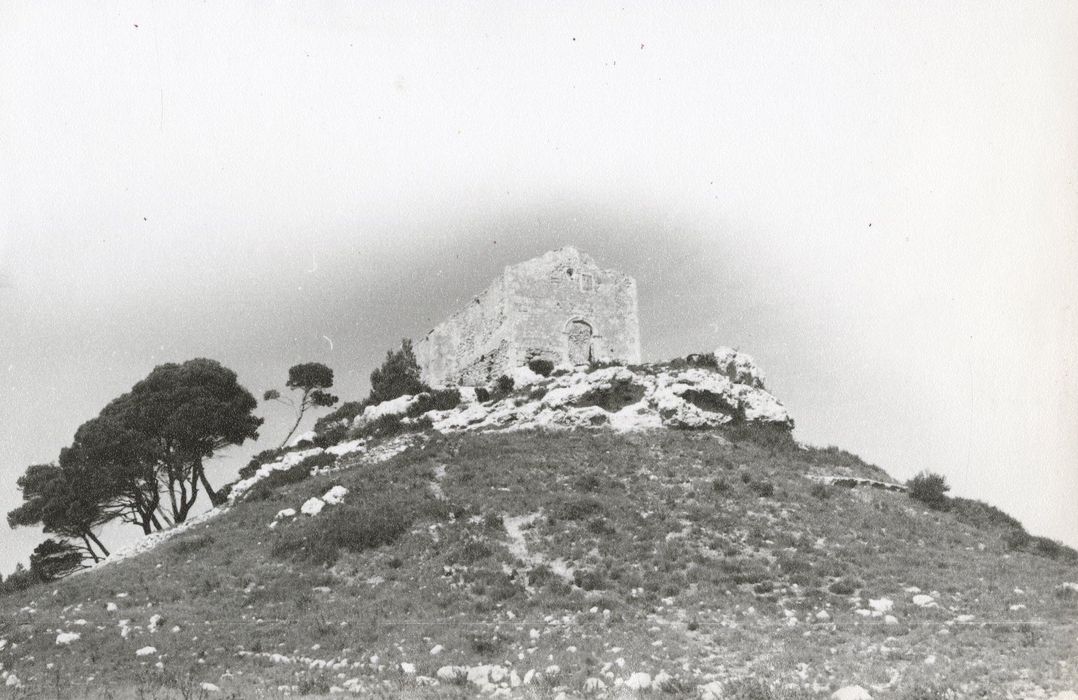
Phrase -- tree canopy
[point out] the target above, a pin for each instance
(398, 375)
(143, 452)
(311, 378)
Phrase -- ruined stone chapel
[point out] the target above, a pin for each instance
(560, 306)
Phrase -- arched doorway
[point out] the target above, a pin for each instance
(578, 334)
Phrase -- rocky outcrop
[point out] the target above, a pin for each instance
(622, 398)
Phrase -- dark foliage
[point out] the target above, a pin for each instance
(930, 489)
(345, 413)
(264, 457)
(52, 560)
(580, 508)
(619, 394)
(541, 367)
(436, 400)
(312, 379)
(398, 375)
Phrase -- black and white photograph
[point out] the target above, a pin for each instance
(616, 350)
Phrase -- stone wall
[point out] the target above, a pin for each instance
(560, 306)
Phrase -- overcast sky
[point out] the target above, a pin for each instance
(877, 201)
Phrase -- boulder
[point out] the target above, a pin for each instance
(851, 692)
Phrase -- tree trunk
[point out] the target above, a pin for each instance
(98, 542)
(215, 498)
(90, 549)
(299, 417)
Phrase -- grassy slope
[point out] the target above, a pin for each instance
(702, 576)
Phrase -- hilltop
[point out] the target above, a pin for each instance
(620, 531)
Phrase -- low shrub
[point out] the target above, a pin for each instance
(844, 586)
(470, 552)
(619, 394)
(579, 508)
(1016, 540)
(331, 436)
(588, 580)
(188, 545)
(264, 457)
(720, 486)
(763, 489)
(482, 395)
(587, 483)
(541, 367)
(702, 359)
(776, 437)
(981, 515)
(601, 526)
(1052, 549)
(541, 575)
(930, 489)
(353, 527)
(503, 386)
(820, 491)
(342, 416)
(438, 400)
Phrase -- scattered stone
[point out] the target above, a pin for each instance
(111, 607)
(881, 605)
(146, 651)
(335, 495)
(65, 638)
(638, 681)
(890, 620)
(594, 685)
(436, 649)
(851, 692)
(210, 687)
(924, 601)
(407, 668)
(313, 506)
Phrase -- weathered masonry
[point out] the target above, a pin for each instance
(560, 307)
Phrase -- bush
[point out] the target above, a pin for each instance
(720, 486)
(1016, 540)
(398, 375)
(482, 395)
(930, 489)
(776, 437)
(264, 457)
(345, 413)
(1046, 547)
(350, 527)
(541, 367)
(820, 491)
(613, 398)
(53, 559)
(844, 586)
(503, 386)
(763, 489)
(587, 483)
(580, 508)
(19, 580)
(588, 580)
(981, 515)
(436, 400)
(331, 436)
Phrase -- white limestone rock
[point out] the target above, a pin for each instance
(851, 692)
